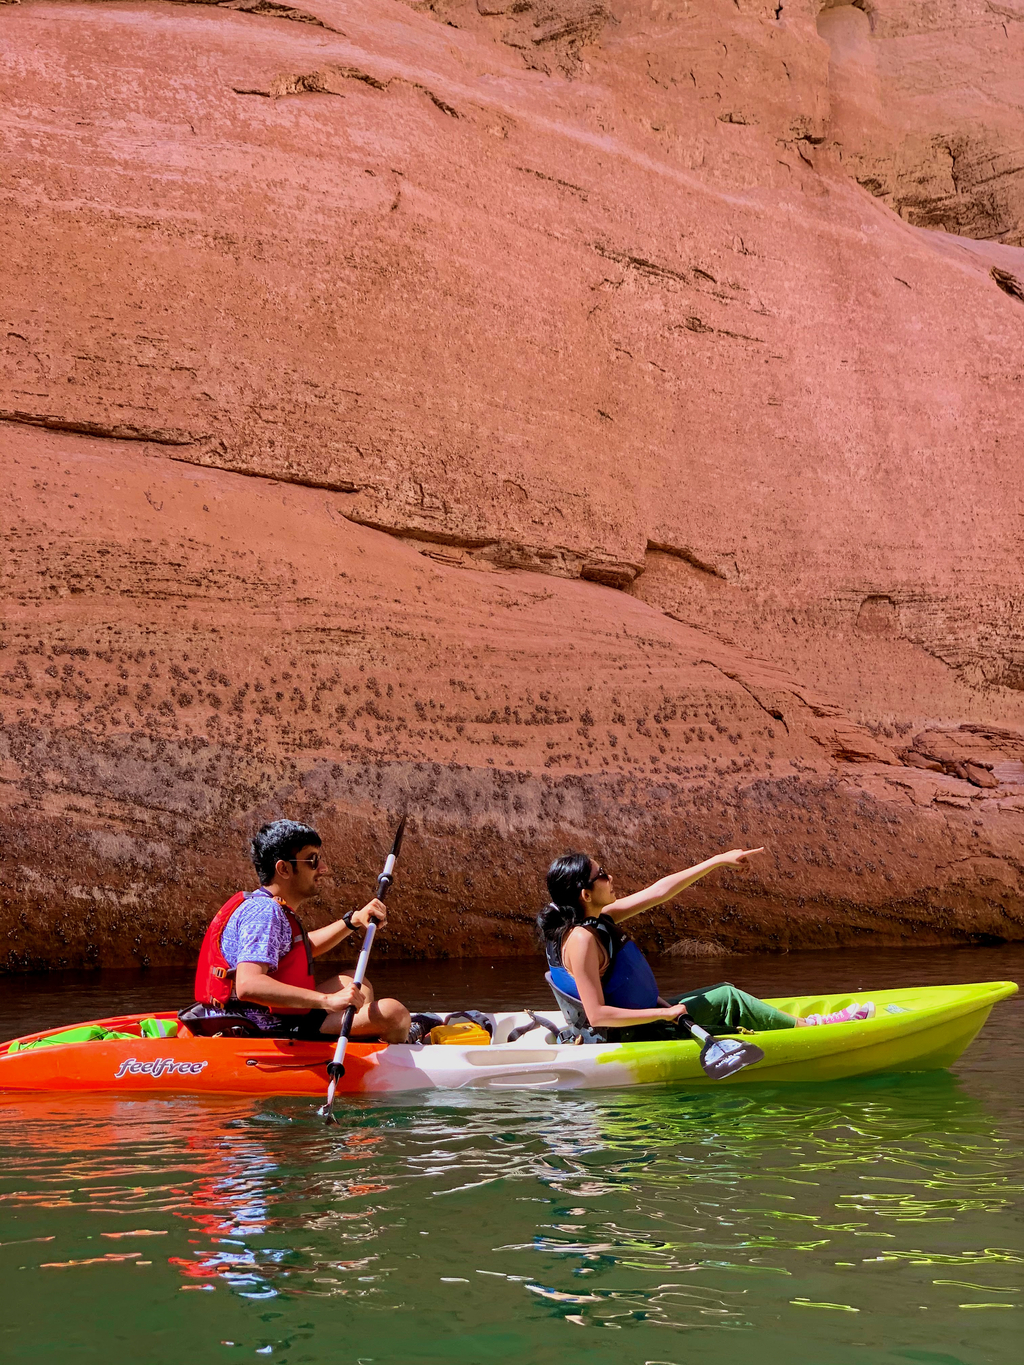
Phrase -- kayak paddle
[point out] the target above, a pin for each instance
(721, 1057)
(336, 1066)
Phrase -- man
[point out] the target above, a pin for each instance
(257, 958)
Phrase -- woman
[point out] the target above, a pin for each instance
(591, 960)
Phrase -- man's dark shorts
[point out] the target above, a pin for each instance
(240, 1020)
(304, 1026)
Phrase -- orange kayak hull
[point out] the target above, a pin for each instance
(185, 1064)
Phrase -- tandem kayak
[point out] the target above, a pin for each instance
(921, 1028)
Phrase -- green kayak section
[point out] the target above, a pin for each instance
(914, 1029)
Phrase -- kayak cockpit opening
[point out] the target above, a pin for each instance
(480, 1028)
(108, 1030)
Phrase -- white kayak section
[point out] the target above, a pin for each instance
(536, 1061)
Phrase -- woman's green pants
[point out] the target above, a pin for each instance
(719, 1009)
(725, 1008)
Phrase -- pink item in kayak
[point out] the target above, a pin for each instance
(847, 1016)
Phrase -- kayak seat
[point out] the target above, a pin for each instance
(203, 1022)
(573, 1012)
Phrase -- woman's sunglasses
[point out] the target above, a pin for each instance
(599, 876)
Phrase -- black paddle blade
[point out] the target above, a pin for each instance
(723, 1057)
(326, 1113)
(396, 847)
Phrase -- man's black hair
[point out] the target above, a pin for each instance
(279, 841)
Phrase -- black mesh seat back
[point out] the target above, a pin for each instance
(204, 1022)
(575, 1015)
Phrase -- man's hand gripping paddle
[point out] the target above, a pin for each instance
(336, 1066)
(721, 1057)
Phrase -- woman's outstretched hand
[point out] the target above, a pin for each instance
(664, 890)
(735, 856)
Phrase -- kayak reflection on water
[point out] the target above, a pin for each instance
(252, 1198)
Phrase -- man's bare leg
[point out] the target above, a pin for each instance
(385, 1019)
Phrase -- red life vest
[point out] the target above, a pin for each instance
(215, 978)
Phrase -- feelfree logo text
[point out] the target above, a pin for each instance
(159, 1066)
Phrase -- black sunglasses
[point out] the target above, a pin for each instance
(599, 876)
(314, 861)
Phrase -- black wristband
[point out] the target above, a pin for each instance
(346, 920)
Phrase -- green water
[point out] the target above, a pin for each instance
(871, 1221)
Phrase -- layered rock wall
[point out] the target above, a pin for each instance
(925, 110)
(562, 419)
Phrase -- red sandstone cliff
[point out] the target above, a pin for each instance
(568, 419)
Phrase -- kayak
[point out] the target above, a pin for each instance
(922, 1028)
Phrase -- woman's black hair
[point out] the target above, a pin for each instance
(567, 877)
(279, 842)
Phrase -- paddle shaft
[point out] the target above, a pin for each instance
(336, 1066)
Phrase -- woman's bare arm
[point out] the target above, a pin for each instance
(661, 891)
(584, 958)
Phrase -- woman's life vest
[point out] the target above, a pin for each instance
(628, 981)
(215, 979)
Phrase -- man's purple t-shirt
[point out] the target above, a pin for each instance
(258, 931)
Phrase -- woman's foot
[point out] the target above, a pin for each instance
(852, 1013)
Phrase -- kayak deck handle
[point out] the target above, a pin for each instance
(268, 1065)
